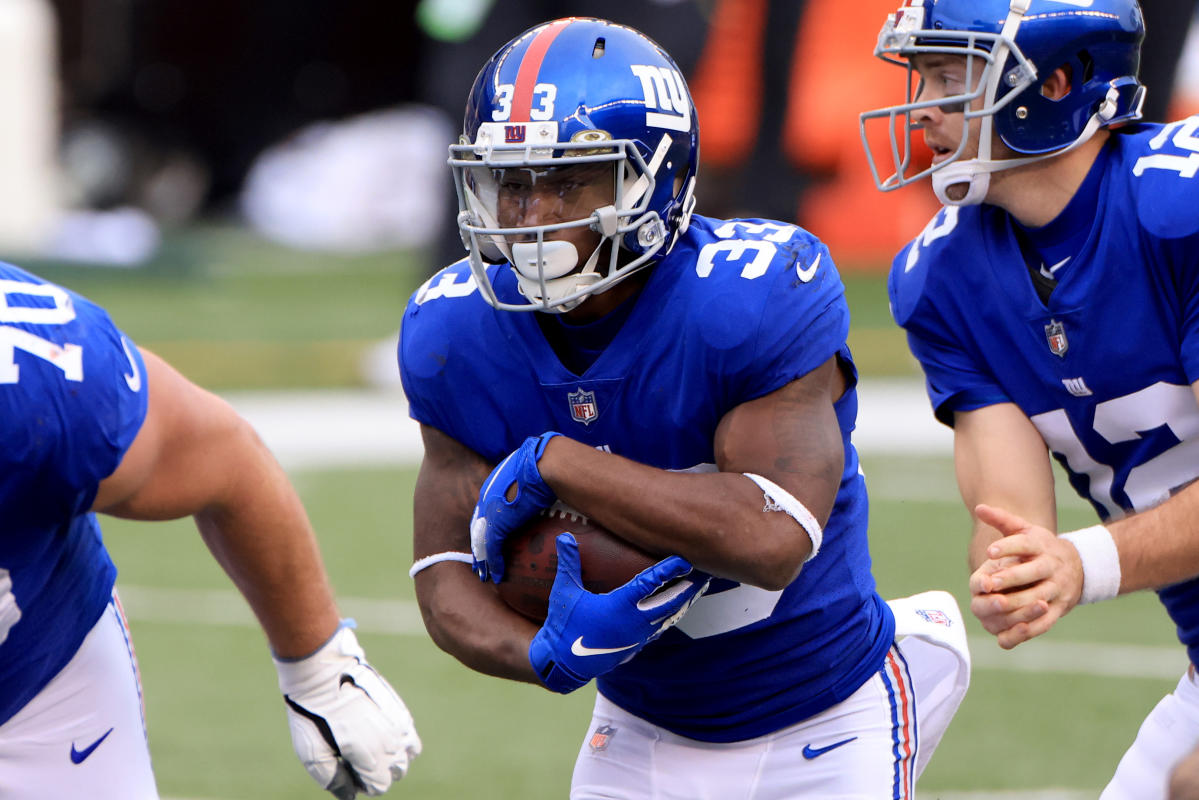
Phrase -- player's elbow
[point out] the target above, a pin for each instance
(776, 561)
(777, 574)
(1184, 779)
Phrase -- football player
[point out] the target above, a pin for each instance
(684, 382)
(1053, 304)
(90, 423)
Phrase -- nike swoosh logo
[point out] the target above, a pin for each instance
(580, 649)
(79, 756)
(1051, 272)
(806, 275)
(810, 752)
(134, 381)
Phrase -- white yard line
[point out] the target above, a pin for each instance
(224, 607)
(371, 427)
(1039, 794)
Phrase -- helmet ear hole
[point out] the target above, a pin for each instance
(1088, 66)
(1059, 84)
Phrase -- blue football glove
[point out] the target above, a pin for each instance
(512, 495)
(588, 634)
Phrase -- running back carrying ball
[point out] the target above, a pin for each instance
(531, 559)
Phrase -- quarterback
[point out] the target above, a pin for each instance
(1053, 304)
(685, 382)
(91, 423)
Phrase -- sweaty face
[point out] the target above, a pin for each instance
(536, 196)
(950, 77)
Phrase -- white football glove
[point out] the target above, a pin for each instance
(350, 729)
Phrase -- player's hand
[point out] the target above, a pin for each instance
(350, 729)
(513, 494)
(1029, 581)
(587, 634)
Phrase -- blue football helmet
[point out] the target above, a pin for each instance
(582, 97)
(1011, 47)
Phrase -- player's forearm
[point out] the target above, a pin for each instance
(1159, 547)
(466, 619)
(1000, 459)
(714, 520)
(260, 534)
(982, 538)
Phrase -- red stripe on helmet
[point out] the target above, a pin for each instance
(530, 65)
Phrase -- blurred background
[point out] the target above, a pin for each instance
(253, 190)
(231, 147)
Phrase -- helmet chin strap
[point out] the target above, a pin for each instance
(975, 173)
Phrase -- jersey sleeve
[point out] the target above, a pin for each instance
(446, 333)
(804, 319)
(76, 390)
(108, 414)
(424, 345)
(1165, 193)
(953, 379)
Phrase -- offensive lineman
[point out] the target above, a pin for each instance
(1055, 301)
(90, 423)
(685, 382)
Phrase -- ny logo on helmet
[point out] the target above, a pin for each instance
(664, 88)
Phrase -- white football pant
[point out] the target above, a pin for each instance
(84, 734)
(1170, 732)
(871, 746)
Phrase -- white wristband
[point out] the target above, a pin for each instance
(428, 561)
(1100, 563)
(779, 499)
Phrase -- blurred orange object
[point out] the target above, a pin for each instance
(834, 77)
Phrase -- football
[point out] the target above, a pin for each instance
(531, 559)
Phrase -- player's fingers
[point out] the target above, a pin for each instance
(1013, 605)
(569, 567)
(1003, 521)
(995, 621)
(666, 570)
(980, 579)
(1016, 546)
(1022, 632)
(343, 786)
(1020, 574)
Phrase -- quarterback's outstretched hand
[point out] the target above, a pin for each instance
(588, 634)
(512, 495)
(350, 729)
(1031, 578)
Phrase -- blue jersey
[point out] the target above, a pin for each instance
(736, 310)
(72, 398)
(1104, 370)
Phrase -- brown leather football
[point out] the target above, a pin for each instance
(531, 559)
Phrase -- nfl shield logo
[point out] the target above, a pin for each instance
(600, 739)
(1055, 333)
(582, 406)
(934, 616)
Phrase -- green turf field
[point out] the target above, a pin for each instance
(235, 313)
(217, 726)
